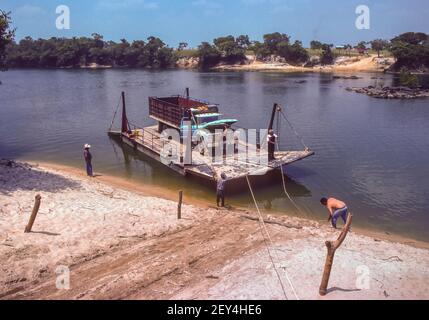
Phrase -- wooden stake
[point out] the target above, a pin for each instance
(33, 214)
(332, 246)
(179, 206)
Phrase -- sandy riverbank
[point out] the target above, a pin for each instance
(343, 64)
(124, 244)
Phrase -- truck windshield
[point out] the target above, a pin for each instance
(206, 118)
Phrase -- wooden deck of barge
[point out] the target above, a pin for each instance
(148, 141)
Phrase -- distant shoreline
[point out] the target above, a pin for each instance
(343, 64)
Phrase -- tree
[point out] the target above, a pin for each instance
(361, 46)
(68, 54)
(76, 52)
(407, 79)
(100, 56)
(316, 45)
(414, 38)
(272, 40)
(298, 53)
(292, 53)
(165, 57)
(6, 36)
(231, 50)
(243, 41)
(348, 48)
(182, 46)
(259, 49)
(379, 45)
(411, 50)
(209, 55)
(98, 40)
(327, 55)
(151, 49)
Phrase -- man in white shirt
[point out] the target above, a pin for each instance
(272, 141)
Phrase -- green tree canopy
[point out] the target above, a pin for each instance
(75, 52)
(414, 38)
(411, 50)
(327, 55)
(243, 41)
(209, 55)
(271, 40)
(182, 46)
(379, 45)
(279, 44)
(316, 45)
(6, 36)
(361, 45)
(232, 50)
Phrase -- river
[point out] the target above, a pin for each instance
(373, 154)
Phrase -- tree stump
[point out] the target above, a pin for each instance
(33, 214)
(332, 246)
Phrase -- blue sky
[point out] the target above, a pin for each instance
(194, 21)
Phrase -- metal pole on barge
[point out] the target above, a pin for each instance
(276, 108)
(125, 125)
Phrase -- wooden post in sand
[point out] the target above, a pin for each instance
(179, 206)
(332, 246)
(33, 214)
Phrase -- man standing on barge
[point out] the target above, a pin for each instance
(272, 141)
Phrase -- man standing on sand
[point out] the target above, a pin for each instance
(88, 160)
(220, 190)
(336, 208)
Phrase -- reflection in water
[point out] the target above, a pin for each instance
(372, 153)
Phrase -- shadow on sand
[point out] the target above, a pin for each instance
(16, 176)
(330, 290)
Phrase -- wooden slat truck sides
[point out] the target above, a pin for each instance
(171, 110)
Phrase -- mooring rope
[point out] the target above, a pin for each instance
(281, 167)
(285, 189)
(294, 130)
(114, 115)
(262, 227)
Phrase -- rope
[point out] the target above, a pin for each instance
(114, 116)
(285, 189)
(294, 130)
(281, 167)
(262, 227)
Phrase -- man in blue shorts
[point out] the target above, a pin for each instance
(336, 208)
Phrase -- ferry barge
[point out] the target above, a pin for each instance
(185, 114)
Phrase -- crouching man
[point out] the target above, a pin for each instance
(336, 208)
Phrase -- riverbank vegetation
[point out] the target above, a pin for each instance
(411, 51)
(154, 53)
(83, 51)
(6, 37)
